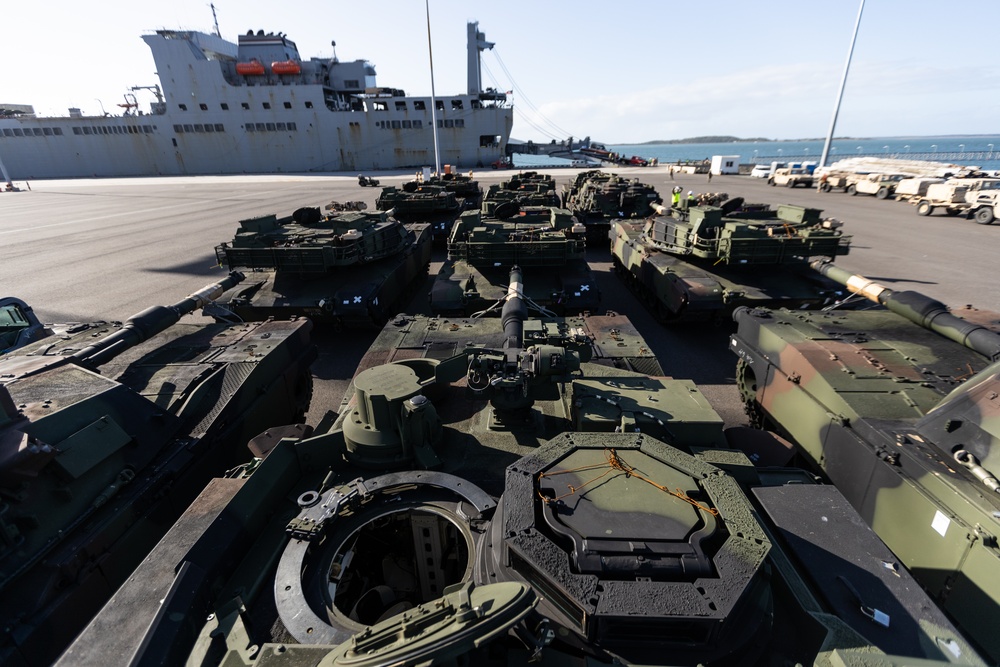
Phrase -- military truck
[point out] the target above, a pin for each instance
(546, 242)
(596, 198)
(701, 262)
(510, 491)
(897, 406)
(973, 197)
(790, 177)
(914, 188)
(107, 432)
(343, 269)
(882, 186)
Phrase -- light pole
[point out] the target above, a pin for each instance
(934, 147)
(961, 148)
(991, 148)
(840, 93)
(833, 149)
(886, 149)
(859, 150)
(907, 147)
(755, 155)
(779, 152)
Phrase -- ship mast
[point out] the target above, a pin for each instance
(215, 20)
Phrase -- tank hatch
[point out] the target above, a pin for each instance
(466, 617)
(634, 546)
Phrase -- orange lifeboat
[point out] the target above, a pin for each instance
(286, 67)
(252, 68)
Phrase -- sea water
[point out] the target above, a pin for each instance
(980, 150)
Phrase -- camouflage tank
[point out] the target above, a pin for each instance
(597, 198)
(465, 188)
(96, 466)
(512, 491)
(422, 202)
(547, 243)
(701, 262)
(528, 188)
(343, 269)
(898, 407)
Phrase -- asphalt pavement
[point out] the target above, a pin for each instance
(105, 249)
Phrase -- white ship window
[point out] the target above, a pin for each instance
(219, 127)
(309, 105)
(267, 105)
(37, 131)
(459, 122)
(203, 107)
(259, 126)
(395, 125)
(148, 129)
(380, 106)
(292, 127)
(418, 105)
(245, 105)
(439, 105)
(47, 131)
(407, 124)
(8, 133)
(456, 104)
(270, 127)
(183, 107)
(248, 127)
(280, 126)
(400, 105)
(58, 131)
(76, 131)
(188, 128)
(475, 104)
(288, 105)
(225, 107)
(178, 129)
(209, 127)
(418, 124)
(487, 140)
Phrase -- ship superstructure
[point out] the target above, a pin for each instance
(257, 107)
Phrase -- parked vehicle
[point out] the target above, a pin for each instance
(910, 188)
(975, 197)
(761, 171)
(790, 177)
(882, 186)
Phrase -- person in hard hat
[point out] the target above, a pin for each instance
(675, 199)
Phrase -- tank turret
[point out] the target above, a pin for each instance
(596, 198)
(897, 406)
(547, 243)
(701, 262)
(342, 269)
(422, 202)
(107, 432)
(515, 490)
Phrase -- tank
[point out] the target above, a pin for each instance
(465, 188)
(699, 263)
(506, 491)
(345, 269)
(547, 243)
(597, 198)
(528, 188)
(107, 432)
(422, 202)
(897, 406)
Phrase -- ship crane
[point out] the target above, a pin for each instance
(155, 89)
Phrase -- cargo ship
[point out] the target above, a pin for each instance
(255, 106)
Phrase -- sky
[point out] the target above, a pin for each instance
(626, 71)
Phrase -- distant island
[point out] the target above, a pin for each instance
(726, 139)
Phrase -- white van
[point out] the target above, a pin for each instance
(761, 171)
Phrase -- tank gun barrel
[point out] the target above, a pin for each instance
(659, 208)
(153, 320)
(918, 308)
(514, 312)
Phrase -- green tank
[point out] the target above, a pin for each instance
(107, 432)
(422, 202)
(465, 188)
(546, 242)
(511, 491)
(898, 407)
(701, 262)
(19, 325)
(597, 198)
(344, 269)
(528, 188)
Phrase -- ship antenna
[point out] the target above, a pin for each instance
(215, 20)
(434, 125)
